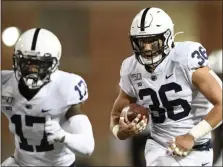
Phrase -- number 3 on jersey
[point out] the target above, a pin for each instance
(169, 105)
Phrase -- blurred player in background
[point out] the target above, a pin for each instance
(173, 80)
(44, 105)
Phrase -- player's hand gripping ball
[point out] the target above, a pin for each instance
(130, 113)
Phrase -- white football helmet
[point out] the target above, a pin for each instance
(151, 25)
(36, 56)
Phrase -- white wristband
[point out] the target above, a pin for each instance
(115, 130)
(200, 129)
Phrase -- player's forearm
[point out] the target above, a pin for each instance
(214, 117)
(81, 140)
(211, 87)
(115, 114)
(119, 104)
(114, 119)
(82, 144)
(210, 122)
(114, 126)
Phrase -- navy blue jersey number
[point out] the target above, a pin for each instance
(200, 54)
(29, 121)
(77, 88)
(168, 105)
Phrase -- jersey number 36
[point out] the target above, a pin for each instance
(168, 105)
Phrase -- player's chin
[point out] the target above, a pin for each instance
(150, 61)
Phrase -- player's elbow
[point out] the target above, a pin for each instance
(218, 106)
(90, 148)
(81, 144)
(218, 114)
(220, 110)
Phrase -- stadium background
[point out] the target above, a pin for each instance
(94, 36)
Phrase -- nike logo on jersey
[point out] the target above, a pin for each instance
(45, 110)
(168, 76)
(203, 164)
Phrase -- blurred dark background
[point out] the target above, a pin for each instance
(94, 36)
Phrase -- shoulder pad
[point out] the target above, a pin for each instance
(191, 55)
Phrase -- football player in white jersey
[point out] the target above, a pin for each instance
(44, 105)
(173, 81)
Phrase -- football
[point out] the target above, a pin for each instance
(131, 111)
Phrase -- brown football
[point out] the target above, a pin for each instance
(131, 111)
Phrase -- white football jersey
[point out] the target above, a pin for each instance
(176, 105)
(27, 117)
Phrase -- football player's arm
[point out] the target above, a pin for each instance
(211, 87)
(121, 101)
(125, 97)
(81, 140)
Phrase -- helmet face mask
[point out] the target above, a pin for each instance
(34, 65)
(145, 55)
(151, 36)
(34, 68)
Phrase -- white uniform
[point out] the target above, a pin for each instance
(27, 117)
(176, 105)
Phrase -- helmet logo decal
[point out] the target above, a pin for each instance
(33, 46)
(142, 24)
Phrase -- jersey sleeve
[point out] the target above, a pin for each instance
(6, 76)
(77, 90)
(125, 82)
(197, 56)
(194, 56)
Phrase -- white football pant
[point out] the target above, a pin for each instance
(156, 155)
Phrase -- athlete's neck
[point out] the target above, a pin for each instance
(150, 69)
(25, 91)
